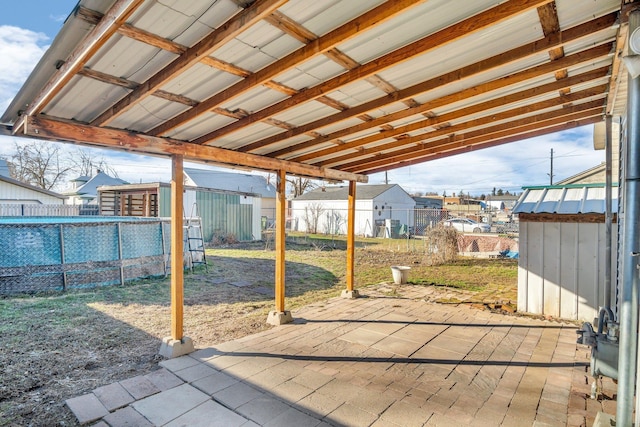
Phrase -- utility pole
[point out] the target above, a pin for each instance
(551, 170)
(386, 178)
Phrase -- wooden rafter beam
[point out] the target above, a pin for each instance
(41, 127)
(597, 91)
(548, 15)
(154, 40)
(519, 53)
(277, 19)
(470, 137)
(618, 72)
(291, 27)
(443, 37)
(513, 129)
(488, 87)
(559, 101)
(239, 23)
(128, 84)
(97, 37)
(316, 47)
(488, 144)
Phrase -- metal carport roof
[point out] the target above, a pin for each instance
(333, 89)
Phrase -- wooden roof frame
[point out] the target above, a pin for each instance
(330, 155)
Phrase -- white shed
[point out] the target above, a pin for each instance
(16, 192)
(562, 250)
(377, 206)
(20, 199)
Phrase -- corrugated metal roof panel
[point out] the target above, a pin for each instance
(73, 105)
(255, 99)
(259, 43)
(189, 21)
(285, 144)
(570, 14)
(341, 125)
(358, 93)
(306, 113)
(573, 199)
(423, 20)
(200, 81)
(453, 56)
(193, 82)
(201, 125)
(320, 17)
(230, 181)
(148, 114)
(310, 73)
(243, 55)
(248, 134)
(363, 192)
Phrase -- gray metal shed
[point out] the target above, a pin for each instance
(562, 250)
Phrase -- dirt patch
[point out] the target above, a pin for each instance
(63, 345)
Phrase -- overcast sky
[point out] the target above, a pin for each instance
(28, 27)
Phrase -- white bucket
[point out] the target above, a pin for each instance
(400, 274)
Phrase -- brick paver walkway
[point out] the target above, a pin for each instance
(376, 361)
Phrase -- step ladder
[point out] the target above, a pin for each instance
(194, 243)
(194, 240)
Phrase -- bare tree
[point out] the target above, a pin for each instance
(39, 164)
(334, 222)
(312, 214)
(85, 164)
(300, 185)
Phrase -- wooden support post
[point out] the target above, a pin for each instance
(177, 344)
(350, 292)
(177, 249)
(280, 316)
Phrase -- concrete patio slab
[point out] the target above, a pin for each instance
(113, 396)
(139, 387)
(169, 405)
(209, 414)
(379, 361)
(87, 408)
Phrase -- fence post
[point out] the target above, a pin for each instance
(64, 269)
(119, 228)
(164, 249)
(408, 230)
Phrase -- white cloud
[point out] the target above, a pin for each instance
(25, 48)
(58, 18)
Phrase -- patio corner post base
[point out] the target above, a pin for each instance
(276, 318)
(171, 348)
(350, 294)
(603, 420)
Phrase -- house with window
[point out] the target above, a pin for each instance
(381, 210)
(84, 189)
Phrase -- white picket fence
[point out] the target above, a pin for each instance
(32, 209)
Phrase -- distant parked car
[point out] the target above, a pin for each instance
(466, 225)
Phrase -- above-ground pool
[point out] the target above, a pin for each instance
(57, 253)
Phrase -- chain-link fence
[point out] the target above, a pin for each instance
(47, 254)
(384, 222)
(409, 229)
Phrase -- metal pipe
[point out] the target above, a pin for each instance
(604, 311)
(629, 293)
(607, 214)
